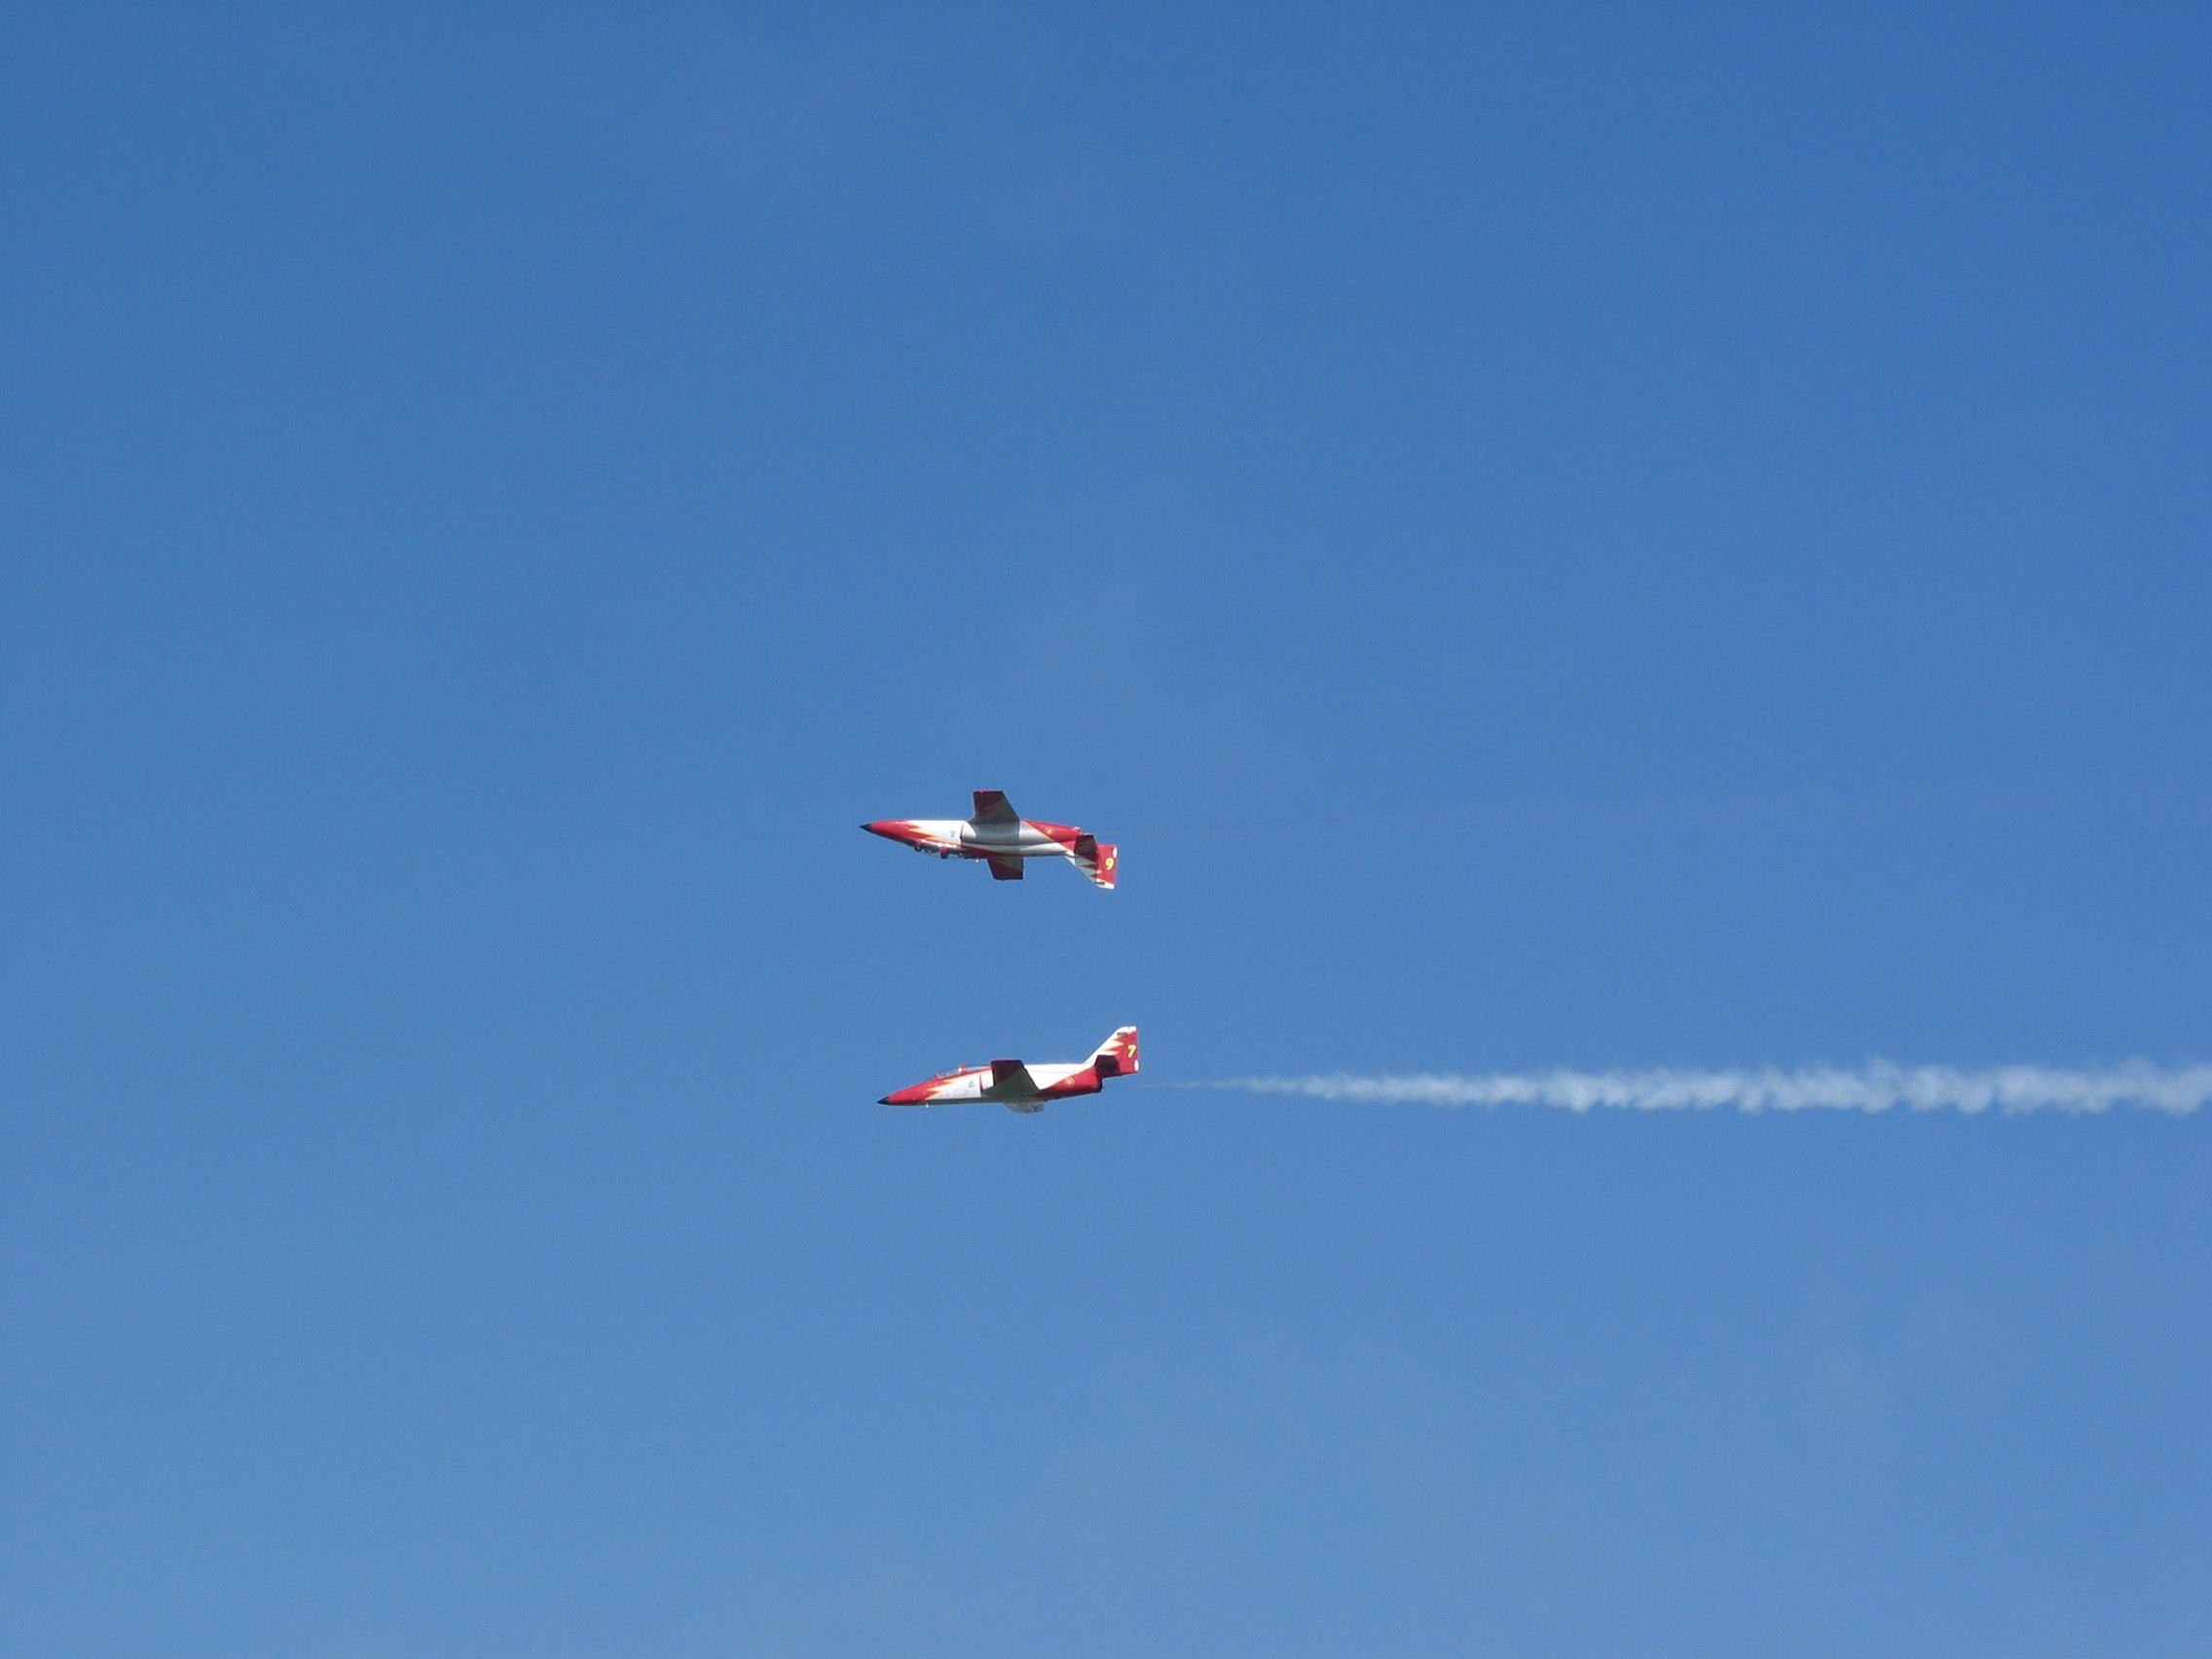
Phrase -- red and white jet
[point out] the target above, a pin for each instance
(1001, 838)
(1023, 1087)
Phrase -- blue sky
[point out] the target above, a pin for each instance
(1565, 536)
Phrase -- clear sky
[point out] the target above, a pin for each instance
(1552, 535)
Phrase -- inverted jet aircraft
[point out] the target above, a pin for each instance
(1001, 838)
(1024, 1088)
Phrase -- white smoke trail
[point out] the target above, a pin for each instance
(1876, 1087)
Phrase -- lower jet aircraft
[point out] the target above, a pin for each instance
(1003, 839)
(1023, 1087)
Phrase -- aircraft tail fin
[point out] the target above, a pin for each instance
(1116, 1056)
(1100, 860)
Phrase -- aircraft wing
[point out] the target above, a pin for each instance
(1006, 869)
(991, 808)
(1011, 1077)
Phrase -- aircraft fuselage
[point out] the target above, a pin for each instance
(1026, 1088)
(1000, 838)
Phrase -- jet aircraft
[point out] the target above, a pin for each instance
(1001, 838)
(1024, 1088)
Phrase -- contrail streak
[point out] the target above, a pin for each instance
(1876, 1087)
